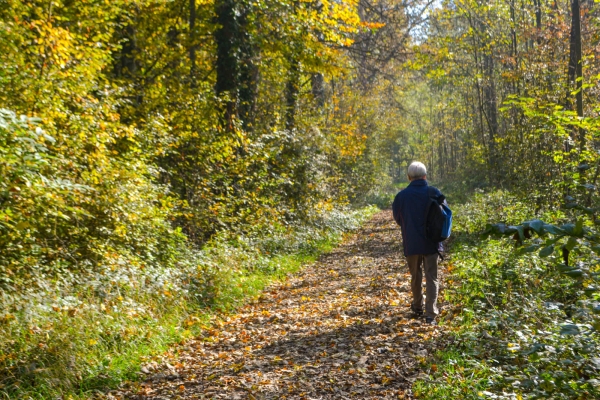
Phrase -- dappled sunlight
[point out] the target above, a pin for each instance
(340, 328)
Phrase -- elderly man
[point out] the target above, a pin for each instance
(410, 209)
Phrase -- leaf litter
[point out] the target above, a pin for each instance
(339, 329)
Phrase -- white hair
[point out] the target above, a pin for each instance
(416, 170)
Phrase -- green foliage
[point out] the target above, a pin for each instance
(29, 171)
(520, 328)
(50, 348)
(136, 191)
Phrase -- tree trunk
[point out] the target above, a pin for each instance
(538, 14)
(248, 92)
(237, 72)
(126, 65)
(291, 93)
(227, 67)
(491, 114)
(513, 30)
(317, 82)
(192, 42)
(575, 63)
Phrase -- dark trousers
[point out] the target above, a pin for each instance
(416, 265)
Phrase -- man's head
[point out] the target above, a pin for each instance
(416, 170)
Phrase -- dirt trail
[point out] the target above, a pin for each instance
(339, 329)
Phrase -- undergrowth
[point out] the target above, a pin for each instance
(516, 326)
(70, 340)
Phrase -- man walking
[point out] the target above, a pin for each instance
(410, 209)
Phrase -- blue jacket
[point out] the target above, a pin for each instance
(409, 208)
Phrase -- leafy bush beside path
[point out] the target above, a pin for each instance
(69, 334)
(518, 328)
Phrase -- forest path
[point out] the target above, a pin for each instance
(340, 328)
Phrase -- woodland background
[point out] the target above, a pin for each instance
(159, 159)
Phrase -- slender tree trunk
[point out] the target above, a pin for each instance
(489, 95)
(575, 64)
(513, 30)
(193, 42)
(514, 48)
(227, 67)
(538, 16)
(128, 64)
(291, 93)
(317, 82)
(237, 71)
(249, 76)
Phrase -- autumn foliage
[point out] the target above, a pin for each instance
(153, 156)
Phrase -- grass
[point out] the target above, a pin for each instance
(245, 287)
(454, 382)
(71, 345)
(277, 268)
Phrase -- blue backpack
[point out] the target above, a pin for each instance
(438, 223)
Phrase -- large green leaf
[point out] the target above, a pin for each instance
(583, 167)
(499, 229)
(553, 229)
(564, 267)
(535, 224)
(573, 229)
(588, 186)
(569, 329)
(535, 348)
(591, 289)
(574, 273)
(571, 243)
(569, 229)
(530, 249)
(520, 231)
(546, 251)
(579, 228)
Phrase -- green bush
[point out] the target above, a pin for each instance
(89, 325)
(518, 324)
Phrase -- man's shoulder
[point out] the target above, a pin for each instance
(404, 192)
(435, 190)
(397, 197)
(436, 194)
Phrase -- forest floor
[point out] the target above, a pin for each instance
(340, 328)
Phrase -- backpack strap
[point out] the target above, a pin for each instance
(433, 195)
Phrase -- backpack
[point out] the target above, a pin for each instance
(438, 223)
